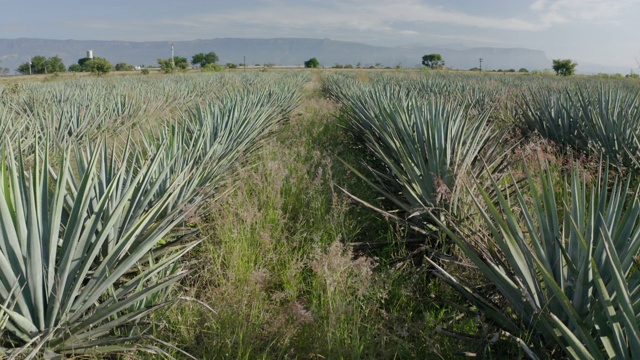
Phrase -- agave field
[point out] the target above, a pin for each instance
(95, 177)
(559, 248)
(320, 215)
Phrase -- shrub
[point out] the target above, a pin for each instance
(312, 63)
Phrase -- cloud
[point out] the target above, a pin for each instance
(408, 33)
(348, 18)
(468, 39)
(402, 17)
(552, 12)
(381, 21)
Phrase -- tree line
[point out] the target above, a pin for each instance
(563, 67)
(100, 66)
(208, 62)
(435, 61)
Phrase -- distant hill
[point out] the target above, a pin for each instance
(281, 51)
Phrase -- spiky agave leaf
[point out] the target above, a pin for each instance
(570, 279)
(554, 115)
(600, 120)
(80, 240)
(70, 293)
(611, 121)
(426, 145)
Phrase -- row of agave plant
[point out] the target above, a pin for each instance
(561, 254)
(86, 243)
(67, 112)
(436, 137)
(599, 119)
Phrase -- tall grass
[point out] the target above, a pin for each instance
(281, 275)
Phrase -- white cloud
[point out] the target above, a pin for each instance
(409, 33)
(382, 17)
(354, 18)
(368, 20)
(468, 39)
(553, 12)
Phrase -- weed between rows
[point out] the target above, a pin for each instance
(278, 269)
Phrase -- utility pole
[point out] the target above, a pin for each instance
(173, 63)
(480, 64)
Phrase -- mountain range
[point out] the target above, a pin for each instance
(279, 51)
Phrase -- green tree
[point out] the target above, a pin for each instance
(34, 66)
(523, 70)
(203, 59)
(30, 66)
(54, 65)
(81, 66)
(96, 65)
(169, 65)
(564, 67)
(41, 65)
(124, 67)
(99, 66)
(83, 62)
(433, 61)
(166, 65)
(312, 63)
(181, 62)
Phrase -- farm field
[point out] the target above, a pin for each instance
(320, 214)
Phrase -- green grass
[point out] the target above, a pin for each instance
(279, 272)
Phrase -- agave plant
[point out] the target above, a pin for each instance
(81, 111)
(601, 121)
(59, 293)
(426, 146)
(85, 245)
(211, 138)
(612, 121)
(554, 115)
(564, 259)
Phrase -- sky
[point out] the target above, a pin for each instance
(589, 31)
